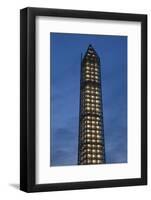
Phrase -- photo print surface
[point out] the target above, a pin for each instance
(88, 99)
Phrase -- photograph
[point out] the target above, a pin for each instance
(83, 99)
(88, 99)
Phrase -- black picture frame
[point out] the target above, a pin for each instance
(28, 98)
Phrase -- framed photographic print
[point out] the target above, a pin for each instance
(83, 99)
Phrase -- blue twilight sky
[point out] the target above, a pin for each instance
(65, 60)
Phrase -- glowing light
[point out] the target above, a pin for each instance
(89, 155)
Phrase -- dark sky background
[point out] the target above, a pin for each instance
(65, 60)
